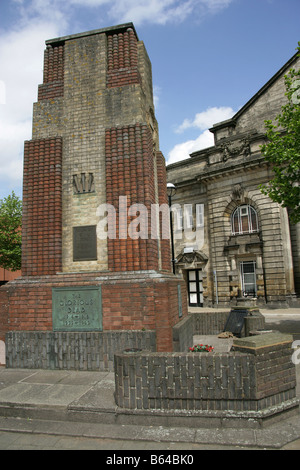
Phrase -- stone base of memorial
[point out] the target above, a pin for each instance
(79, 320)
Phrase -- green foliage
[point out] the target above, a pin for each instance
(283, 150)
(10, 232)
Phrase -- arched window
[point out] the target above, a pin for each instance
(244, 220)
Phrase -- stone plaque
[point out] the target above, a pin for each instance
(235, 321)
(84, 243)
(77, 309)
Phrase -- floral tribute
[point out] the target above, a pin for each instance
(201, 348)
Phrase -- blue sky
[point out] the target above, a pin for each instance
(209, 57)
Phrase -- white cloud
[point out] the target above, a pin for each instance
(182, 151)
(137, 11)
(206, 119)
(21, 55)
(21, 58)
(201, 121)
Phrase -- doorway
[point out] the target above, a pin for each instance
(248, 278)
(195, 287)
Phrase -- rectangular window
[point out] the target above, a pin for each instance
(195, 288)
(188, 212)
(248, 278)
(179, 214)
(200, 215)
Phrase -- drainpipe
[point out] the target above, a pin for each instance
(216, 284)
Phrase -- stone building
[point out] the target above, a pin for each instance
(94, 155)
(231, 242)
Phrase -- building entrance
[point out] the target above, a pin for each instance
(195, 287)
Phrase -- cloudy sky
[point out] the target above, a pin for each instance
(209, 57)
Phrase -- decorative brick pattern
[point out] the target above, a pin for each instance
(42, 207)
(130, 172)
(72, 351)
(53, 78)
(122, 59)
(236, 381)
(163, 199)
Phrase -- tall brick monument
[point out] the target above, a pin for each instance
(93, 160)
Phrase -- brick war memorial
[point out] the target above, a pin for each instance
(97, 290)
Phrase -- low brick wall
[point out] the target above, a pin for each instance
(209, 323)
(72, 350)
(258, 374)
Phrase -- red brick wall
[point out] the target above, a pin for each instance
(53, 80)
(42, 207)
(148, 303)
(122, 59)
(130, 172)
(163, 199)
(6, 275)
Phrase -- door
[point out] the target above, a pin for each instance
(248, 277)
(195, 287)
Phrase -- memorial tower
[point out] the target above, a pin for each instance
(94, 258)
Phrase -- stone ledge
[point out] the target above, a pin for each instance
(267, 340)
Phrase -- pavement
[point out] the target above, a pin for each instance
(60, 410)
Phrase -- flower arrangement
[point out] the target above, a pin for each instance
(201, 348)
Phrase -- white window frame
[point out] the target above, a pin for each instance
(247, 212)
(188, 215)
(200, 215)
(242, 273)
(179, 218)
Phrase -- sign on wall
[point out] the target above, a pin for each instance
(77, 309)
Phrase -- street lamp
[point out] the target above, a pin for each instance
(171, 190)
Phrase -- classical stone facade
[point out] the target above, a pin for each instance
(231, 242)
(94, 153)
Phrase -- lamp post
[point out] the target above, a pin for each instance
(171, 190)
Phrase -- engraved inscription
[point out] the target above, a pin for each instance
(77, 309)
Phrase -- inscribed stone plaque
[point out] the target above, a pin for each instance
(235, 321)
(84, 243)
(77, 309)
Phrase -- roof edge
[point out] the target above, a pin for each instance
(261, 91)
(93, 32)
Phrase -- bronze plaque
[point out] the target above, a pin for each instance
(77, 308)
(84, 243)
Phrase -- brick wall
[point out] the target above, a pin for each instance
(72, 350)
(247, 381)
(134, 302)
(122, 59)
(42, 207)
(53, 77)
(163, 199)
(130, 172)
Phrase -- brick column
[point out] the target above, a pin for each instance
(130, 174)
(53, 78)
(42, 207)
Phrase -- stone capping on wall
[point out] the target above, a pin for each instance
(257, 379)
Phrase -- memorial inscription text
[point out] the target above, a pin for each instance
(77, 309)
